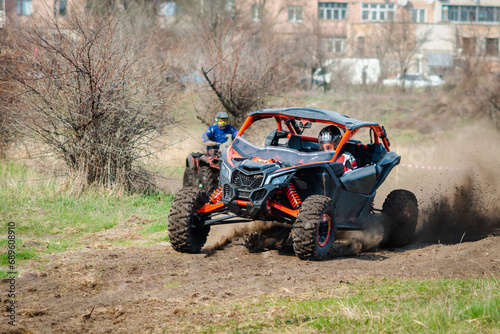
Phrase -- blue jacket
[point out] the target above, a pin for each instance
(214, 133)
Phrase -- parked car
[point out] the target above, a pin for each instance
(414, 80)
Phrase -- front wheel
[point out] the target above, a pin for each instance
(186, 231)
(315, 228)
(401, 214)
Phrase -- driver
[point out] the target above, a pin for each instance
(328, 139)
(217, 133)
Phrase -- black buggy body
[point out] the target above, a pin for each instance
(290, 180)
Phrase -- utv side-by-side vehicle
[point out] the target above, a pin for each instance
(285, 177)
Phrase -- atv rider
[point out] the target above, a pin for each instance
(217, 133)
(328, 139)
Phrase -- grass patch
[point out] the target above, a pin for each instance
(54, 219)
(380, 306)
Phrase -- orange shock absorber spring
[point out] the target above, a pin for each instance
(216, 195)
(293, 197)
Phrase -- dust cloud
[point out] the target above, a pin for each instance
(461, 203)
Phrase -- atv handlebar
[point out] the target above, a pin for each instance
(211, 143)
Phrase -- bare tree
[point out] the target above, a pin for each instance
(397, 42)
(378, 44)
(242, 60)
(91, 94)
(319, 44)
(405, 39)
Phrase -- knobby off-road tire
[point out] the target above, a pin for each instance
(189, 178)
(208, 179)
(315, 228)
(401, 214)
(185, 230)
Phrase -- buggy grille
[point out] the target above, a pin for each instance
(228, 191)
(258, 195)
(247, 182)
(243, 194)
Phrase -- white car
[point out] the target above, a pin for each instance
(415, 80)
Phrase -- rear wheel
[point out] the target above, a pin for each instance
(401, 211)
(315, 228)
(208, 179)
(186, 231)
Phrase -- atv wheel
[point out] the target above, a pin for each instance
(401, 210)
(189, 178)
(315, 228)
(185, 226)
(208, 179)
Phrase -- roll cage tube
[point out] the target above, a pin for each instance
(377, 129)
(249, 121)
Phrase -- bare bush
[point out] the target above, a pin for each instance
(8, 65)
(92, 95)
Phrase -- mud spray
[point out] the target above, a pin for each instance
(461, 205)
(257, 236)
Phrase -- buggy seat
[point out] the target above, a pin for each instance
(365, 154)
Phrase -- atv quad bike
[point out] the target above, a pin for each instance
(288, 179)
(202, 170)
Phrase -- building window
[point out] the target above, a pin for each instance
(255, 12)
(469, 45)
(468, 13)
(229, 6)
(60, 7)
(334, 45)
(488, 14)
(168, 9)
(294, 13)
(378, 12)
(418, 15)
(492, 46)
(471, 14)
(332, 11)
(24, 7)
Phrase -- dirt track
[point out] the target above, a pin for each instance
(153, 288)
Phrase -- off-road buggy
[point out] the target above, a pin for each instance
(288, 179)
(202, 170)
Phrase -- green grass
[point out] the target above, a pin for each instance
(53, 219)
(379, 306)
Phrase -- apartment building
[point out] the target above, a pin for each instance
(456, 29)
(20, 11)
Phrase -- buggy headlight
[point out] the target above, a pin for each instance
(277, 179)
(224, 171)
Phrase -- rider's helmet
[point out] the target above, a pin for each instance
(222, 119)
(329, 138)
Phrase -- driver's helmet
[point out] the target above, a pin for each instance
(329, 138)
(222, 119)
